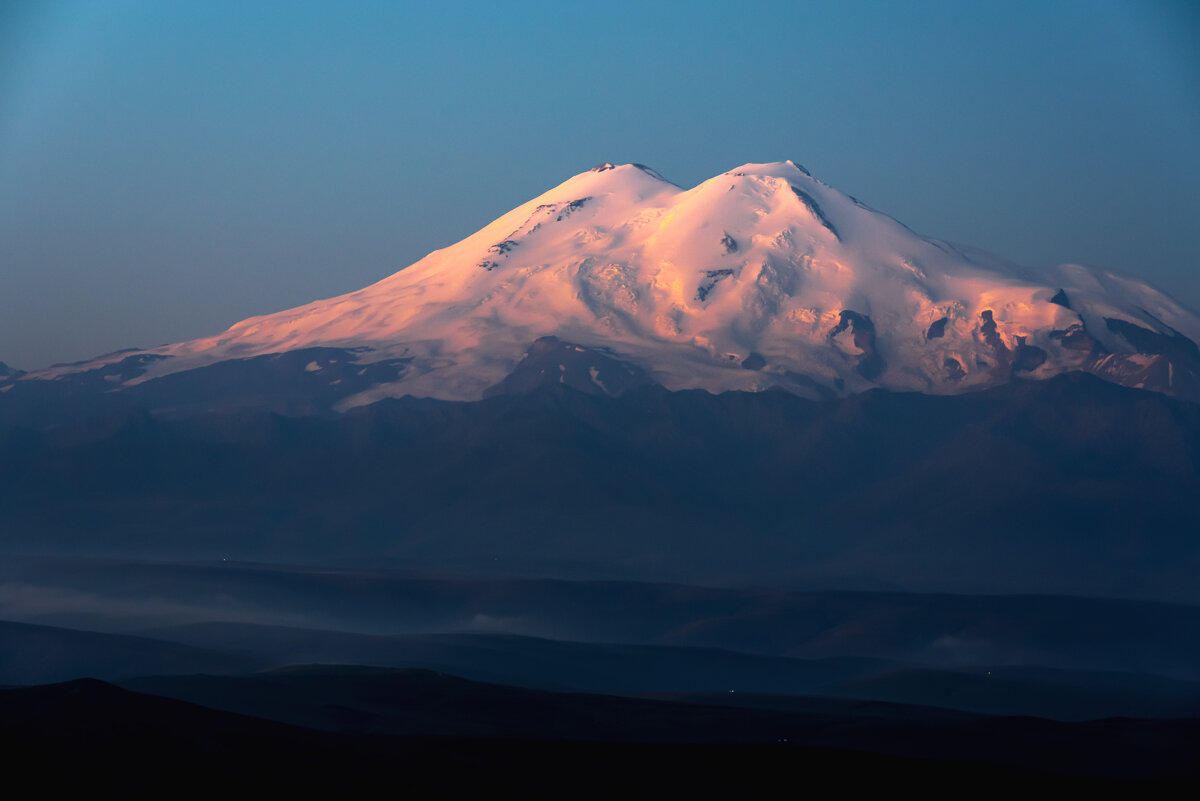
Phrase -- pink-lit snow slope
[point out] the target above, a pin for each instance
(759, 277)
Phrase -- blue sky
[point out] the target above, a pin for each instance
(167, 168)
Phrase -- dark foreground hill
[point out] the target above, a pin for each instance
(384, 701)
(100, 733)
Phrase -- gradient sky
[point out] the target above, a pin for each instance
(168, 168)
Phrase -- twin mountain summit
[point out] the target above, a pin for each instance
(759, 376)
(762, 277)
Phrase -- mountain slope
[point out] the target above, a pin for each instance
(1070, 485)
(759, 277)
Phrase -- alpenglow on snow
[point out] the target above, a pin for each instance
(761, 277)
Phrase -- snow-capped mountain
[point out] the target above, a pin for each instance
(759, 277)
(618, 283)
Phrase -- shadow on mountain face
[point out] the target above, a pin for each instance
(1067, 486)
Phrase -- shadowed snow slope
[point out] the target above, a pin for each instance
(759, 277)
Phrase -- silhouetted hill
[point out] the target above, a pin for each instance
(38, 654)
(381, 701)
(532, 661)
(608, 668)
(1042, 692)
(32, 654)
(921, 629)
(81, 735)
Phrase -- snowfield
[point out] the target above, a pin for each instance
(759, 277)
